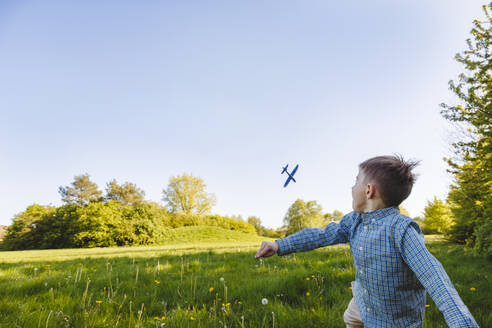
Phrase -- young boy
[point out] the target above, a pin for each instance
(394, 269)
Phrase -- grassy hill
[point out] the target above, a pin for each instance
(192, 239)
(206, 234)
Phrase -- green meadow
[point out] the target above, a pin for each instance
(204, 283)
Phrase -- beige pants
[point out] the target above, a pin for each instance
(352, 315)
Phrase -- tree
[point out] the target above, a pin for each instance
(186, 194)
(256, 222)
(127, 193)
(470, 194)
(82, 192)
(437, 216)
(403, 211)
(22, 234)
(303, 215)
(331, 217)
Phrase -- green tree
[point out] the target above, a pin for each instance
(302, 215)
(330, 217)
(81, 192)
(23, 233)
(470, 194)
(186, 194)
(403, 210)
(256, 222)
(437, 216)
(127, 193)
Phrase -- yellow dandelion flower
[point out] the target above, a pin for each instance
(473, 289)
(312, 276)
(156, 318)
(308, 278)
(427, 305)
(191, 318)
(308, 293)
(163, 317)
(157, 282)
(211, 289)
(350, 288)
(239, 302)
(228, 304)
(99, 302)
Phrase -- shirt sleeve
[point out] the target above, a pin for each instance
(432, 276)
(311, 238)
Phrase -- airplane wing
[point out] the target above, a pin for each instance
(294, 171)
(287, 182)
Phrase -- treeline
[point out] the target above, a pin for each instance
(118, 217)
(102, 224)
(470, 195)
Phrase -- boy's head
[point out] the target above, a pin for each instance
(384, 179)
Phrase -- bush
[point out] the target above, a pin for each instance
(483, 240)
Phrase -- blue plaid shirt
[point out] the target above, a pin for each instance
(394, 269)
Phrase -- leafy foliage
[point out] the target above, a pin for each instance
(127, 193)
(330, 217)
(82, 192)
(470, 195)
(437, 217)
(186, 194)
(302, 215)
(121, 218)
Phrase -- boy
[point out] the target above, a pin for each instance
(394, 269)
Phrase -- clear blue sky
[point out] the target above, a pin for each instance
(229, 91)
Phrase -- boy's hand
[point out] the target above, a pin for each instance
(267, 249)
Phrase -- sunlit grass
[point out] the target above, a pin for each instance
(202, 285)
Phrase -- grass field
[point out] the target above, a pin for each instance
(204, 285)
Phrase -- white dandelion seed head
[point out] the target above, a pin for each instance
(35, 269)
(221, 279)
(163, 324)
(264, 301)
(140, 312)
(45, 284)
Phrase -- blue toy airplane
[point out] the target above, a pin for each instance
(291, 175)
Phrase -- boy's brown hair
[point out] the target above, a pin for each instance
(392, 175)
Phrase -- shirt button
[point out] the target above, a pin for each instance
(360, 248)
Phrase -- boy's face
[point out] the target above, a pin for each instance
(359, 199)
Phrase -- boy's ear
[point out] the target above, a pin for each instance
(370, 191)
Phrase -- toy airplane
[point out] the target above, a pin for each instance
(291, 175)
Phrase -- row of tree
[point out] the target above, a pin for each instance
(470, 195)
(121, 216)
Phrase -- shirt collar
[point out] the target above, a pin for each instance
(379, 214)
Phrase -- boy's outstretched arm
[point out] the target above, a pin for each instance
(433, 277)
(310, 238)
